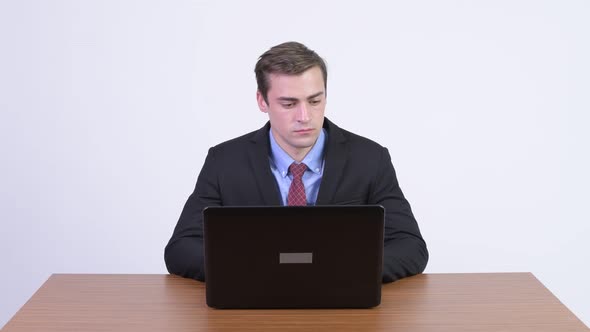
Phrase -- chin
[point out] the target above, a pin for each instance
(305, 144)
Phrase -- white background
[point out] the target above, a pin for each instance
(108, 109)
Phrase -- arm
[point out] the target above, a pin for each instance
(405, 252)
(184, 252)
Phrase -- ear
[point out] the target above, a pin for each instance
(262, 105)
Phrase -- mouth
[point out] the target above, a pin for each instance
(304, 131)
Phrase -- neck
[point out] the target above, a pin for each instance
(297, 154)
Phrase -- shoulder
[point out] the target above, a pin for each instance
(240, 143)
(355, 142)
(234, 143)
(239, 148)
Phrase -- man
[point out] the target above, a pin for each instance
(299, 157)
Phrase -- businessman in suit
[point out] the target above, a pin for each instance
(298, 158)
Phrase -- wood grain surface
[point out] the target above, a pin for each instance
(429, 302)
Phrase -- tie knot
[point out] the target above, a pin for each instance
(297, 170)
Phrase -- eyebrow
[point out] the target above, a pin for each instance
(295, 99)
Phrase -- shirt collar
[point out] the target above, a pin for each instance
(314, 158)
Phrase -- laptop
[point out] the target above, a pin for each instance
(293, 257)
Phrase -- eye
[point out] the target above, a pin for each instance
(288, 105)
(314, 102)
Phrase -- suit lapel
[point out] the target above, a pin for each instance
(335, 158)
(258, 154)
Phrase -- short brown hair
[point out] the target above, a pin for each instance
(290, 58)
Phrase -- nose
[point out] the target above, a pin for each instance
(303, 113)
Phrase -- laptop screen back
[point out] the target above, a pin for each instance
(293, 257)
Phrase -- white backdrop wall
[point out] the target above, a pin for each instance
(108, 109)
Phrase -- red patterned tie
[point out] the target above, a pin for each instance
(296, 195)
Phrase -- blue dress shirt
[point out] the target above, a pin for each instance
(280, 162)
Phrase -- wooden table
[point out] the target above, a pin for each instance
(430, 302)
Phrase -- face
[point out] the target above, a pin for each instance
(295, 108)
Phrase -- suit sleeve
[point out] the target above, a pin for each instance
(184, 253)
(405, 251)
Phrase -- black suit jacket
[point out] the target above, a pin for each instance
(357, 171)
